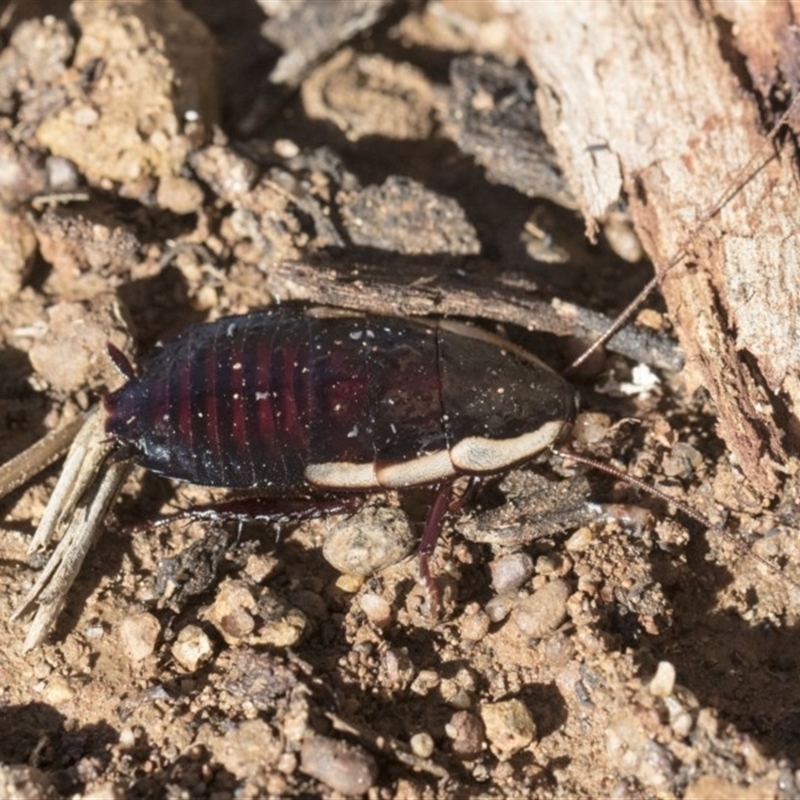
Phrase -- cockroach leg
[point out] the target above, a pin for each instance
(467, 496)
(433, 529)
(273, 510)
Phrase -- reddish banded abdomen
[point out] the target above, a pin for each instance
(253, 400)
(223, 405)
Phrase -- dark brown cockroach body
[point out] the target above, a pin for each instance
(293, 401)
(322, 403)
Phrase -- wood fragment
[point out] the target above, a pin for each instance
(413, 288)
(650, 102)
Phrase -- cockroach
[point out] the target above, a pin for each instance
(316, 403)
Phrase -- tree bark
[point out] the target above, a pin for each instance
(663, 103)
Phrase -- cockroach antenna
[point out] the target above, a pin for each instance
(755, 164)
(683, 508)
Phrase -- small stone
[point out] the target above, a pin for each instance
(139, 634)
(246, 749)
(367, 542)
(231, 613)
(543, 612)
(509, 727)
(349, 584)
(511, 572)
(680, 718)
(681, 461)
(425, 682)
(192, 648)
(467, 733)
(499, 607)
(579, 541)
(179, 195)
(397, 669)
(621, 235)
(205, 298)
(591, 427)
(343, 767)
(422, 745)
(547, 564)
(127, 738)
(240, 616)
(285, 148)
(58, 691)
(281, 624)
(663, 682)
(377, 610)
(455, 694)
(475, 626)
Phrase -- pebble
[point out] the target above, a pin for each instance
(375, 538)
(128, 738)
(231, 612)
(349, 584)
(425, 682)
(285, 148)
(475, 626)
(681, 461)
(622, 237)
(543, 612)
(458, 691)
(579, 541)
(680, 718)
(266, 620)
(376, 609)
(283, 626)
(397, 669)
(192, 648)
(663, 682)
(139, 634)
(591, 427)
(247, 748)
(500, 606)
(180, 195)
(422, 745)
(343, 767)
(58, 691)
(468, 735)
(510, 572)
(509, 727)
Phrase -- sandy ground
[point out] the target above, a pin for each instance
(159, 163)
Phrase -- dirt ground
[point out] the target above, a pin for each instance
(165, 163)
